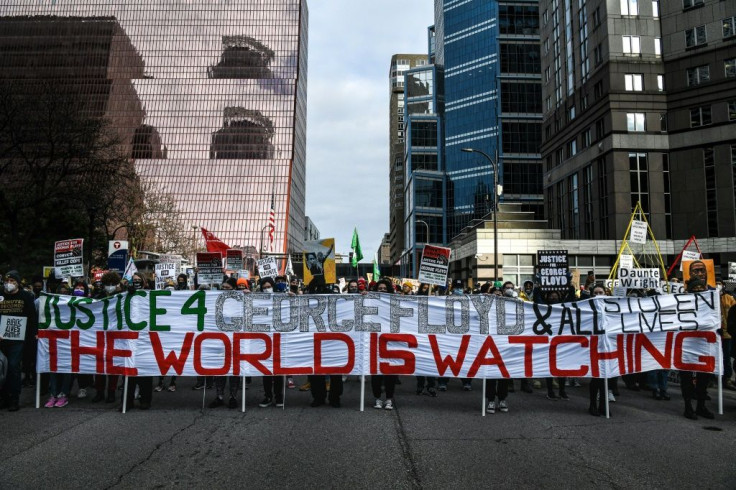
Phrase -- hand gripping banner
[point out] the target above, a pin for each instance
(211, 333)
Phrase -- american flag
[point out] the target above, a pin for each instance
(271, 222)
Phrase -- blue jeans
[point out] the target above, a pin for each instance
(60, 383)
(658, 379)
(13, 350)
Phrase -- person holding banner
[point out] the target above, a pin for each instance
(551, 298)
(18, 324)
(426, 381)
(111, 285)
(699, 387)
(384, 381)
(220, 381)
(273, 386)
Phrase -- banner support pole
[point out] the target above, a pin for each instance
(362, 392)
(242, 379)
(125, 394)
(605, 395)
(283, 394)
(720, 379)
(483, 400)
(38, 390)
(204, 392)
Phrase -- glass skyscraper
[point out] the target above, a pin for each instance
(208, 98)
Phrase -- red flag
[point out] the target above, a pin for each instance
(271, 222)
(213, 243)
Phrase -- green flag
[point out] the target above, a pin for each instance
(376, 270)
(357, 252)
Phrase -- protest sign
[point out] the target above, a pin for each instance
(732, 271)
(48, 270)
(318, 259)
(552, 270)
(210, 268)
(218, 333)
(688, 255)
(243, 273)
(233, 259)
(13, 327)
(164, 272)
(434, 265)
(68, 258)
(639, 278)
(117, 255)
(171, 259)
(626, 261)
(267, 267)
(699, 269)
(638, 232)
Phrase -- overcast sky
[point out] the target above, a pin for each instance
(350, 49)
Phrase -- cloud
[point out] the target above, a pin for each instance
(350, 49)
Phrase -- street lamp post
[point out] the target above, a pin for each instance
(494, 163)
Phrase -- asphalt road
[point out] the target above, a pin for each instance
(425, 442)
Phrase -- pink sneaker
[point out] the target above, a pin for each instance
(62, 401)
(50, 403)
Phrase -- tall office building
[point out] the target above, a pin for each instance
(639, 106)
(489, 51)
(400, 63)
(209, 96)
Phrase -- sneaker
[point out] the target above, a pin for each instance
(159, 388)
(82, 393)
(62, 401)
(502, 406)
(110, 397)
(467, 387)
(491, 407)
(378, 404)
(432, 392)
(51, 402)
(266, 402)
(217, 402)
(389, 405)
(99, 396)
(536, 384)
(290, 383)
(564, 396)
(232, 403)
(172, 388)
(704, 412)
(665, 396)
(306, 386)
(344, 378)
(420, 391)
(279, 403)
(576, 383)
(611, 398)
(442, 387)
(198, 386)
(552, 396)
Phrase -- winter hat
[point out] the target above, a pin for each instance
(13, 275)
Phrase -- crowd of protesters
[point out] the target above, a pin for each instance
(19, 300)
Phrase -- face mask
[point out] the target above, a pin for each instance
(509, 293)
(267, 290)
(457, 292)
(110, 289)
(137, 284)
(281, 287)
(169, 288)
(294, 288)
(10, 287)
(78, 292)
(352, 290)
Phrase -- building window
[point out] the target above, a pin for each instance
(588, 202)
(695, 36)
(710, 191)
(698, 75)
(655, 8)
(558, 157)
(691, 3)
(571, 113)
(729, 27)
(629, 7)
(596, 17)
(598, 90)
(700, 116)
(572, 148)
(573, 206)
(660, 83)
(602, 198)
(587, 138)
(657, 46)
(639, 178)
(545, 17)
(663, 122)
(635, 121)
(632, 45)
(598, 55)
(732, 110)
(729, 66)
(634, 82)
(600, 128)
(667, 184)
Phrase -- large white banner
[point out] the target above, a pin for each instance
(230, 333)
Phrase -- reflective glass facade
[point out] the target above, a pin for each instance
(209, 97)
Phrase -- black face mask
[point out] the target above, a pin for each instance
(294, 288)
(352, 290)
(137, 285)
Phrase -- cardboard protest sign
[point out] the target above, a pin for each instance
(732, 271)
(626, 261)
(700, 269)
(164, 272)
(244, 273)
(171, 259)
(639, 278)
(68, 258)
(13, 327)
(552, 270)
(233, 259)
(318, 259)
(638, 232)
(210, 268)
(221, 333)
(267, 267)
(117, 255)
(689, 256)
(434, 265)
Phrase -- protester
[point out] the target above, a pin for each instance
(273, 386)
(456, 289)
(111, 285)
(552, 298)
(18, 306)
(428, 382)
(60, 385)
(379, 382)
(699, 388)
